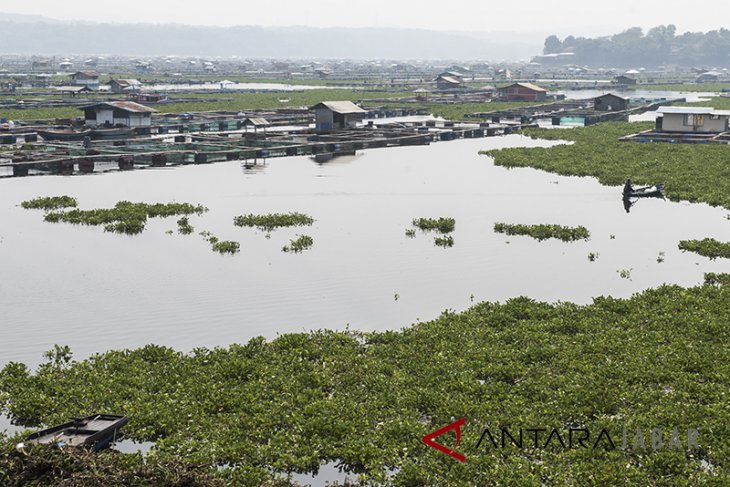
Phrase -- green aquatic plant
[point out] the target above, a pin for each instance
(410, 233)
(224, 246)
(691, 172)
(50, 203)
(593, 256)
(299, 244)
(184, 227)
(125, 217)
(625, 273)
(660, 258)
(717, 278)
(273, 221)
(708, 247)
(263, 409)
(444, 241)
(543, 231)
(443, 225)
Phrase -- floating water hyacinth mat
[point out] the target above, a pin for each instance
(299, 244)
(50, 203)
(443, 225)
(364, 400)
(543, 232)
(125, 217)
(273, 220)
(708, 247)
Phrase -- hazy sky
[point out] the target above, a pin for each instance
(582, 17)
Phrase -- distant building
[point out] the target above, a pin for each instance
(444, 82)
(124, 85)
(73, 90)
(624, 80)
(708, 77)
(693, 120)
(65, 65)
(86, 78)
(610, 103)
(331, 115)
(126, 113)
(523, 92)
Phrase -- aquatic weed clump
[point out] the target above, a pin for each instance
(444, 241)
(126, 217)
(225, 246)
(272, 221)
(544, 232)
(443, 225)
(184, 227)
(297, 245)
(50, 203)
(708, 247)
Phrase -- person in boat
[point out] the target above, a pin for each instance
(628, 187)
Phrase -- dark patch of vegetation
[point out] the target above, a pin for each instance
(273, 220)
(225, 246)
(274, 407)
(44, 465)
(221, 246)
(125, 217)
(717, 279)
(50, 203)
(692, 172)
(299, 244)
(543, 232)
(444, 241)
(707, 247)
(410, 233)
(184, 227)
(443, 225)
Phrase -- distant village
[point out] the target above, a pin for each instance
(118, 102)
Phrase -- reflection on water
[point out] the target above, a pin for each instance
(131, 446)
(97, 291)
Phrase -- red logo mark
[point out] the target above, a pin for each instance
(456, 425)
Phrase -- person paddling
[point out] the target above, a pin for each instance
(628, 188)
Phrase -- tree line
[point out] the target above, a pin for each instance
(660, 45)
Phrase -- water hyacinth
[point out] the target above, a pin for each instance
(184, 227)
(299, 244)
(273, 220)
(543, 232)
(252, 412)
(708, 247)
(443, 225)
(444, 241)
(225, 246)
(50, 203)
(126, 217)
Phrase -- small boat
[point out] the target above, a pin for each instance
(655, 191)
(63, 134)
(94, 432)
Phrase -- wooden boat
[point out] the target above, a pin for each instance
(63, 134)
(655, 191)
(94, 432)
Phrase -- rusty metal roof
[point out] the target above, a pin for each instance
(341, 107)
(529, 86)
(128, 106)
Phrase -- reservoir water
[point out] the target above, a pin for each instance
(95, 291)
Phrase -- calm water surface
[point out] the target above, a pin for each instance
(97, 291)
